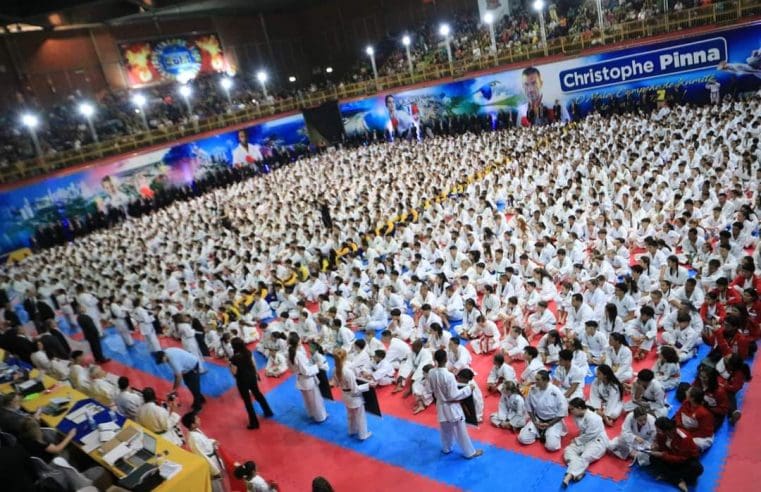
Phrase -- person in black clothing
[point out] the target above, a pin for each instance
(10, 316)
(243, 368)
(51, 345)
(91, 334)
(52, 328)
(18, 344)
(327, 221)
(44, 311)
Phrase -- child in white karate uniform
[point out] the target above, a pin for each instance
(666, 368)
(421, 389)
(499, 373)
(511, 413)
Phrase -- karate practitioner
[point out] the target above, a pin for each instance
(448, 408)
(589, 446)
(200, 444)
(306, 378)
(351, 392)
(511, 412)
(547, 407)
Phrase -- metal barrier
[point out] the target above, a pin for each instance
(716, 14)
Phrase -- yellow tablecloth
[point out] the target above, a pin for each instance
(195, 475)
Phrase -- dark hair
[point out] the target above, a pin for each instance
(245, 471)
(321, 484)
(189, 418)
(532, 351)
(565, 354)
(669, 354)
(293, 345)
(665, 424)
(645, 375)
(577, 403)
(610, 375)
(440, 356)
(530, 71)
(149, 394)
(123, 382)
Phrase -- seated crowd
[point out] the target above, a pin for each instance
(557, 256)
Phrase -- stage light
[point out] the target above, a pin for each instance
(538, 5)
(185, 91)
(489, 18)
(226, 83)
(406, 40)
(261, 76)
(444, 30)
(30, 121)
(329, 70)
(86, 110)
(139, 100)
(291, 79)
(370, 51)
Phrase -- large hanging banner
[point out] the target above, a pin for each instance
(546, 93)
(171, 59)
(59, 198)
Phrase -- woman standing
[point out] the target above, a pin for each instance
(352, 396)
(306, 382)
(243, 368)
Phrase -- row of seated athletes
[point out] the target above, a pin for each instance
(540, 415)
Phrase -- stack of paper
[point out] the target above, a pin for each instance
(169, 469)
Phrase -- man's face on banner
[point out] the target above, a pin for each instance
(243, 138)
(532, 87)
(390, 104)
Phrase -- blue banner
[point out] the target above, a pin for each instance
(684, 69)
(657, 63)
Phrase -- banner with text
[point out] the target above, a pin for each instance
(534, 94)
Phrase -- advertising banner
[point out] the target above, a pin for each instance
(171, 59)
(546, 93)
(59, 198)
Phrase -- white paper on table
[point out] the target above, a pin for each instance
(169, 469)
(91, 442)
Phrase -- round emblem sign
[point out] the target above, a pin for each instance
(175, 59)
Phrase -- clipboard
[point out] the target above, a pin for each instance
(371, 400)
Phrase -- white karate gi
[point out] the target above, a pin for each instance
(501, 374)
(351, 393)
(488, 338)
(589, 446)
(620, 362)
(545, 405)
(606, 397)
(190, 344)
(511, 410)
(397, 352)
(203, 446)
(653, 398)
(383, 372)
(449, 411)
(306, 382)
(119, 316)
(145, 324)
(565, 378)
(634, 438)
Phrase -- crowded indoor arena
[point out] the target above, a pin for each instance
(380, 245)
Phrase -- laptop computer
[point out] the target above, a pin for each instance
(147, 452)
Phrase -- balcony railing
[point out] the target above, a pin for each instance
(722, 13)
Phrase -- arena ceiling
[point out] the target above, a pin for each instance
(49, 14)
